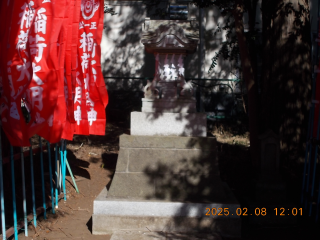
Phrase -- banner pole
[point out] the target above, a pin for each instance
(13, 194)
(62, 174)
(64, 170)
(56, 173)
(24, 194)
(50, 175)
(3, 220)
(71, 174)
(42, 180)
(33, 191)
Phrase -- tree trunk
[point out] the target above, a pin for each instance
(248, 76)
(286, 82)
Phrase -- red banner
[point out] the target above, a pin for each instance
(68, 130)
(90, 100)
(53, 127)
(51, 60)
(16, 69)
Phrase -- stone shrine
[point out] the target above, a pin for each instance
(167, 175)
(169, 106)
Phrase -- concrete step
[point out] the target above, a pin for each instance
(147, 235)
(167, 184)
(112, 214)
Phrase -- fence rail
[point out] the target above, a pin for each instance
(57, 175)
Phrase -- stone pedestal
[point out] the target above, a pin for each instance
(168, 124)
(181, 105)
(166, 184)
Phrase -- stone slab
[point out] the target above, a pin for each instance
(137, 235)
(169, 187)
(151, 160)
(112, 215)
(123, 207)
(132, 185)
(176, 109)
(168, 102)
(168, 142)
(147, 235)
(226, 227)
(169, 124)
(148, 160)
(175, 105)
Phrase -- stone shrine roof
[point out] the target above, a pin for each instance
(170, 36)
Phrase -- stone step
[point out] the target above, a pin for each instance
(172, 168)
(118, 214)
(147, 235)
(167, 187)
(167, 184)
(168, 142)
(178, 160)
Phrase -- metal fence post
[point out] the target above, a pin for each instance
(3, 220)
(50, 175)
(24, 194)
(13, 194)
(32, 188)
(42, 180)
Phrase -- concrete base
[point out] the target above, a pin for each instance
(168, 184)
(177, 105)
(168, 124)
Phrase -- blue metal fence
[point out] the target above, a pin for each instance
(56, 182)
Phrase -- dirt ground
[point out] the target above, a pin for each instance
(93, 160)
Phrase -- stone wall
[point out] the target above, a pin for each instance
(123, 54)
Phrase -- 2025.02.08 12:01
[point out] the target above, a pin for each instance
(257, 212)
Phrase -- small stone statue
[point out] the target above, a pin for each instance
(187, 90)
(150, 91)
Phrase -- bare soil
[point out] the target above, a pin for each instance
(92, 160)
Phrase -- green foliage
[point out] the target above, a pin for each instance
(229, 49)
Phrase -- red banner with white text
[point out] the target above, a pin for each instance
(89, 100)
(51, 67)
